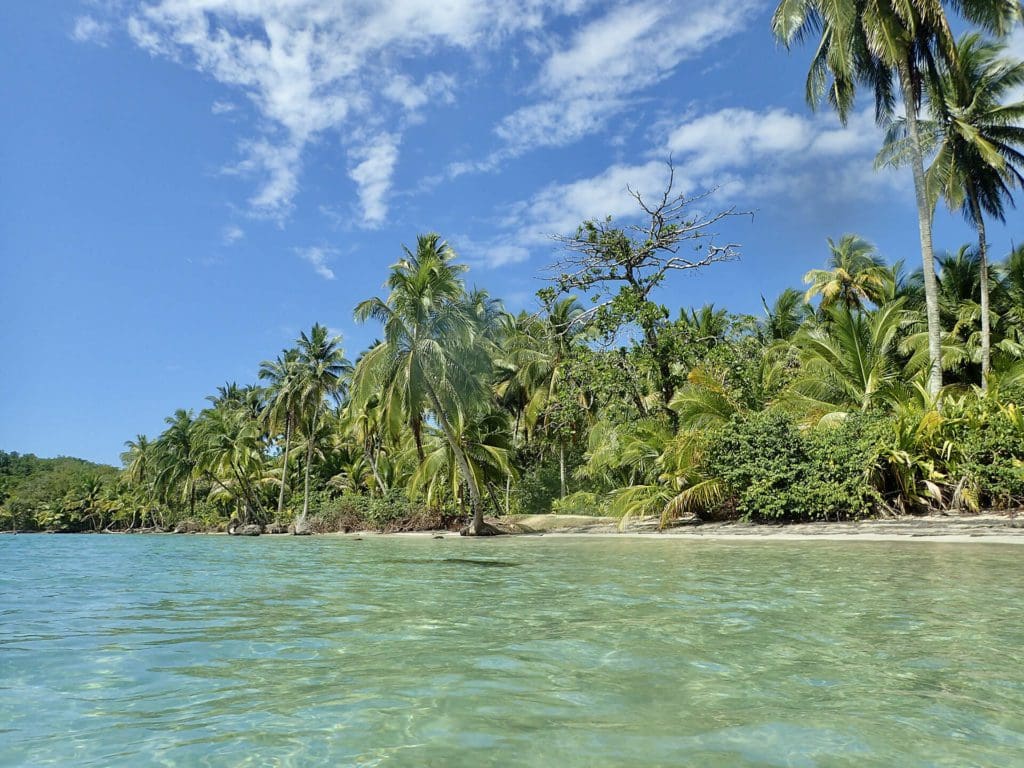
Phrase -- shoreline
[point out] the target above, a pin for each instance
(984, 528)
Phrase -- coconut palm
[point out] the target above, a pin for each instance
(873, 43)
(535, 355)
(177, 460)
(856, 275)
(140, 461)
(849, 363)
(433, 354)
(321, 371)
(282, 375)
(784, 317)
(977, 141)
(228, 442)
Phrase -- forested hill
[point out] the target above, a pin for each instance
(60, 491)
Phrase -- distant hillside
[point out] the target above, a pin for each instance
(50, 493)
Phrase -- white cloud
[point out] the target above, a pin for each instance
(559, 208)
(318, 257)
(493, 253)
(610, 60)
(412, 96)
(752, 157)
(90, 30)
(231, 234)
(375, 165)
(737, 137)
(313, 66)
(223, 107)
(773, 152)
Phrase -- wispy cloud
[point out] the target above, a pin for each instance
(231, 234)
(752, 157)
(90, 30)
(223, 107)
(604, 67)
(318, 256)
(372, 172)
(322, 66)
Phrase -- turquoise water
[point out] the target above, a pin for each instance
(217, 651)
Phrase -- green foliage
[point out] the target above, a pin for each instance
(580, 503)
(989, 441)
(773, 471)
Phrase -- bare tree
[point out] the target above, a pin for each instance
(620, 267)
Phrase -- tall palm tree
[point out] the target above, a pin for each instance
(228, 441)
(140, 467)
(433, 354)
(535, 356)
(856, 275)
(282, 375)
(872, 43)
(177, 459)
(977, 141)
(321, 371)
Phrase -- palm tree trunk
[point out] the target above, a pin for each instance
(561, 470)
(986, 328)
(477, 526)
(417, 434)
(301, 524)
(508, 492)
(372, 461)
(284, 468)
(924, 223)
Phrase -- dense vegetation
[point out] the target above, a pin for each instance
(873, 390)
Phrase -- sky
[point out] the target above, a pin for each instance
(185, 185)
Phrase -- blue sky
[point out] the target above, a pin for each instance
(187, 184)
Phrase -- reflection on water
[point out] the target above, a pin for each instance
(163, 650)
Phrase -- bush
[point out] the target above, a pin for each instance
(990, 452)
(773, 471)
(392, 513)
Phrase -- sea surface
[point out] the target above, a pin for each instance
(284, 651)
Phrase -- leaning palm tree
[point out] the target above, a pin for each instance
(873, 43)
(321, 372)
(228, 442)
(856, 276)
(433, 354)
(977, 141)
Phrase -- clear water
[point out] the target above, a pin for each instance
(217, 651)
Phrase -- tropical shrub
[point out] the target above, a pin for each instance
(773, 471)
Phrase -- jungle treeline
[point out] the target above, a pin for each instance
(876, 387)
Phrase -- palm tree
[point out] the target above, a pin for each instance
(177, 460)
(977, 142)
(140, 467)
(872, 43)
(433, 354)
(229, 448)
(848, 363)
(785, 316)
(321, 372)
(282, 375)
(535, 357)
(856, 275)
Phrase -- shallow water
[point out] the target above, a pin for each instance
(218, 651)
